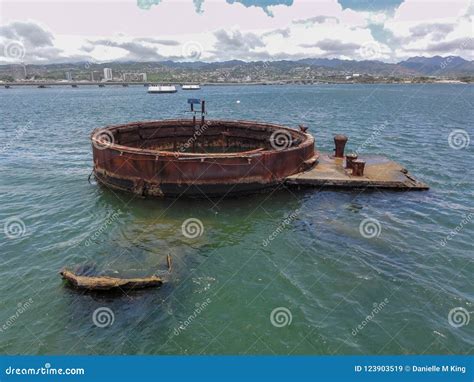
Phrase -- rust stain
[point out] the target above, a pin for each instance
(179, 157)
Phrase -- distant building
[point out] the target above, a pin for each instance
(356, 75)
(69, 76)
(108, 74)
(129, 77)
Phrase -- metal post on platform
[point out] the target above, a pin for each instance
(340, 142)
(358, 167)
(203, 111)
(194, 114)
(350, 158)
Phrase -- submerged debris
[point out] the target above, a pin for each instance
(105, 283)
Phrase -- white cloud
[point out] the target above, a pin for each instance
(428, 28)
(121, 30)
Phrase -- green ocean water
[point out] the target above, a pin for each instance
(287, 272)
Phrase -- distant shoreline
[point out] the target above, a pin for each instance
(276, 83)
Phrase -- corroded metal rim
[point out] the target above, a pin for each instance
(142, 157)
(307, 139)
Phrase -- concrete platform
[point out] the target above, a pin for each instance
(380, 172)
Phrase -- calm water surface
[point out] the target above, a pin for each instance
(320, 274)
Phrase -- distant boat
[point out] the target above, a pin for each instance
(190, 87)
(74, 85)
(162, 89)
(101, 86)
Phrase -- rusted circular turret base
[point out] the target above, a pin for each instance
(218, 158)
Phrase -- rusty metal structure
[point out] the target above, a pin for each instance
(183, 157)
(350, 158)
(358, 167)
(340, 143)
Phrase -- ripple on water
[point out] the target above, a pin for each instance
(318, 266)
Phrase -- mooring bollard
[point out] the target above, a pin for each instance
(358, 167)
(340, 143)
(349, 159)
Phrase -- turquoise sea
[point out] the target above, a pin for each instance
(288, 272)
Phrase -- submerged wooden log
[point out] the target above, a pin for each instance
(110, 283)
(107, 283)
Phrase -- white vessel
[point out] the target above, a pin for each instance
(190, 87)
(162, 89)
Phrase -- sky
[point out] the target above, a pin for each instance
(38, 31)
